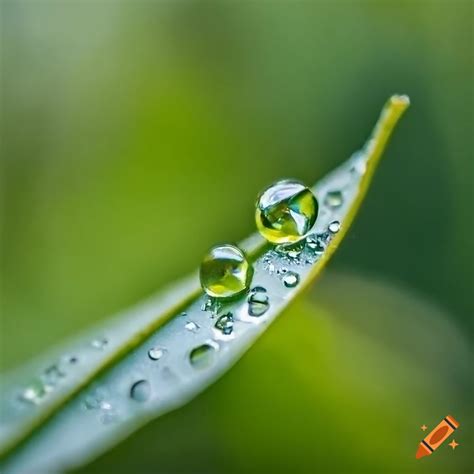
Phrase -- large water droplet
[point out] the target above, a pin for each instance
(141, 391)
(333, 199)
(225, 272)
(225, 324)
(291, 279)
(202, 356)
(286, 212)
(156, 353)
(258, 303)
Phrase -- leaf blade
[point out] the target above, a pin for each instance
(152, 324)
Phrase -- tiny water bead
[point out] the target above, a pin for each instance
(334, 227)
(202, 356)
(225, 272)
(141, 391)
(258, 303)
(225, 324)
(285, 212)
(156, 353)
(99, 343)
(291, 279)
(34, 393)
(192, 326)
(333, 199)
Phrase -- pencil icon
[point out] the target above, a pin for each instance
(437, 436)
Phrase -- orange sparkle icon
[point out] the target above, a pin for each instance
(436, 438)
(453, 444)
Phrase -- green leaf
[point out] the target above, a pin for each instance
(83, 397)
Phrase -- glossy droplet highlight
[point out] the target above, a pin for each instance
(225, 272)
(156, 353)
(141, 391)
(333, 199)
(225, 324)
(34, 393)
(291, 279)
(286, 212)
(99, 343)
(203, 356)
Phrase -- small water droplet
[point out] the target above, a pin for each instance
(258, 304)
(191, 326)
(141, 391)
(73, 360)
(333, 199)
(52, 375)
(258, 289)
(271, 268)
(202, 356)
(99, 343)
(334, 227)
(291, 279)
(184, 314)
(156, 353)
(34, 393)
(106, 406)
(225, 324)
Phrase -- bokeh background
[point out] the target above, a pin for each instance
(137, 134)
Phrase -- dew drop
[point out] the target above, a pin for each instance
(225, 324)
(34, 393)
(291, 279)
(334, 227)
(156, 353)
(202, 356)
(286, 212)
(191, 326)
(141, 391)
(258, 289)
(333, 199)
(258, 304)
(99, 343)
(53, 374)
(317, 243)
(225, 272)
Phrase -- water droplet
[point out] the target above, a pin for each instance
(106, 406)
(73, 360)
(317, 243)
(191, 326)
(334, 227)
(258, 289)
(291, 279)
(99, 343)
(202, 356)
(271, 268)
(52, 375)
(141, 391)
(286, 212)
(225, 324)
(156, 353)
(225, 272)
(184, 314)
(34, 393)
(258, 304)
(333, 199)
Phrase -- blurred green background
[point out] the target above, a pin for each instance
(137, 134)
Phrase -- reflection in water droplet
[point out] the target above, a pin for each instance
(317, 243)
(334, 227)
(202, 356)
(99, 343)
(225, 324)
(156, 353)
(333, 199)
(191, 326)
(291, 279)
(258, 304)
(258, 289)
(141, 391)
(34, 393)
